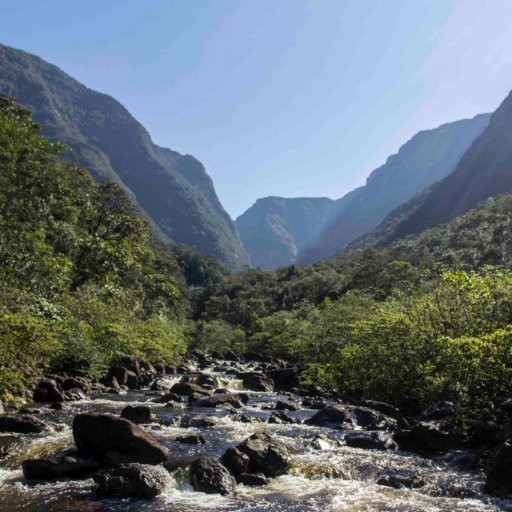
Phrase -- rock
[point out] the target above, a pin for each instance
(67, 465)
(499, 477)
(132, 481)
(284, 379)
(258, 383)
(321, 442)
(266, 454)
(131, 364)
(280, 418)
(210, 476)
(252, 357)
(21, 424)
(137, 413)
(187, 388)
(370, 441)
(161, 385)
(111, 382)
(426, 437)
(191, 439)
(231, 356)
(47, 391)
(82, 383)
(75, 394)
(437, 411)
(159, 368)
(314, 403)
(168, 397)
(207, 380)
(115, 440)
(196, 421)
(120, 373)
(243, 418)
(217, 400)
(399, 481)
(351, 417)
(195, 397)
(252, 479)
(236, 461)
(384, 408)
(287, 405)
(57, 406)
(133, 381)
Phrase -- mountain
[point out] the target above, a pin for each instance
(172, 190)
(278, 231)
(426, 158)
(274, 230)
(484, 171)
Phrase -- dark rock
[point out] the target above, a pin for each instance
(161, 385)
(287, 405)
(314, 403)
(350, 417)
(399, 481)
(499, 477)
(384, 408)
(57, 406)
(159, 368)
(195, 397)
(280, 418)
(120, 373)
(437, 411)
(111, 382)
(236, 461)
(196, 421)
(116, 440)
(82, 383)
(62, 466)
(370, 441)
(243, 418)
(217, 400)
(321, 442)
(252, 479)
(131, 364)
(252, 357)
(191, 439)
(258, 383)
(168, 397)
(75, 394)
(284, 378)
(137, 413)
(207, 380)
(266, 454)
(133, 381)
(231, 356)
(132, 481)
(47, 391)
(426, 437)
(187, 388)
(210, 476)
(21, 424)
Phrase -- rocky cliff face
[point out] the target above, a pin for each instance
(171, 189)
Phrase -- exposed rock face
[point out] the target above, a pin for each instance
(266, 454)
(210, 476)
(21, 424)
(63, 466)
(132, 481)
(349, 416)
(116, 440)
(499, 477)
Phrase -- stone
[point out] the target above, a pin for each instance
(168, 397)
(66, 465)
(370, 441)
(426, 437)
(266, 454)
(120, 373)
(499, 476)
(252, 479)
(287, 405)
(280, 418)
(115, 440)
(236, 461)
(351, 417)
(21, 424)
(74, 394)
(258, 383)
(437, 411)
(284, 379)
(314, 403)
(218, 400)
(132, 481)
(322, 443)
(210, 476)
(187, 388)
(399, 481)
(137, 413)
(161, 385)
(191, 439)
(82, 383)
(196, 421)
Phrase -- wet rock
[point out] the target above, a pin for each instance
(399, 480)
(210, 476)
(426, 437)
(120, 373)
(187, 388)
(236, 461)
(499, 477)
(218, 400)
(287, 405)
(231, 356)
(252, 479)
(191, 439)
(437, 411)
(284, 378)
(280, 418)
(21, 424)
(47, 391)
(161, 385)
(66, 465)
(131, 364)
(351, 417)
(168, 397)
(57, 406)
(207, 380)
(175, 405)
(132, 481)
(195, 397)
(384, 408)
(159, 368)
(314, 403)
(266, 454)
(116, 440)
(195, 421)
(75, 394)
(111, 382)
(370, 441)
(137, 414)
(82, 383)
(258, 383)
(322, 443)
(243, 418)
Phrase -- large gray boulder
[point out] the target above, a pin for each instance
(66, 465)
(116, 440)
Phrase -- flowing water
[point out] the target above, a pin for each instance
(334, 479)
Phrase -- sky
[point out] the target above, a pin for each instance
(288, 98)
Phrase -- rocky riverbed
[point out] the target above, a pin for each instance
(233, 434)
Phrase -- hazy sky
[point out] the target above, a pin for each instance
(279, 97)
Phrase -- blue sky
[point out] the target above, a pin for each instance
(279, 97)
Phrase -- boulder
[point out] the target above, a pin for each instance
(370, 441)
(195, 421)
(287, 405)
(236, 461)
(218, 400)
(266, 454)
(314, 403)
(210, 476)
(116, 440)
(168, 397)
(207, 380)
(132, 481)
(398, 480)
(252, 479)
(284, 379)
(191, 439)
(280, 418)
(111, 382)
(74, 394)
(137, 413)
(82, 383)
(384, 408)
(426, 437)
(161, 385)
(21, 424)
(131, 364)
(47, 390)
(437, 411)
(499, 477)
(258, 383)
(351, 417)
(66, 465)
(187, 388)
(252, 357)
(120, 373)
